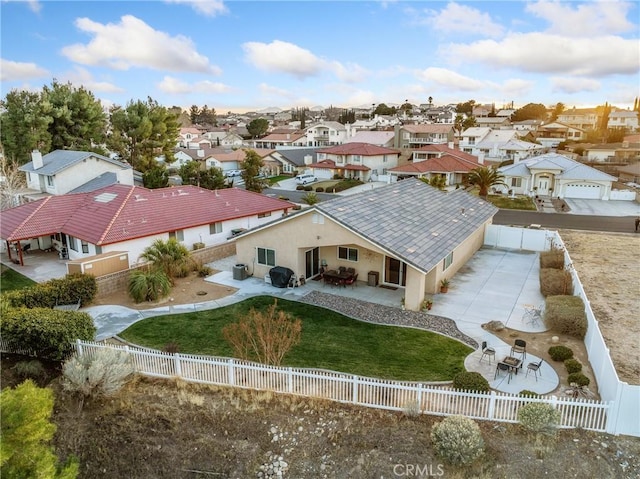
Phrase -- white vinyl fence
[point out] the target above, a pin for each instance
(348, 388)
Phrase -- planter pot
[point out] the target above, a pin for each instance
(444, 289)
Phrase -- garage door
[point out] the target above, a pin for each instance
(584, 191)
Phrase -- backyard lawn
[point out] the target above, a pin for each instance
(10, 280)
(329, 341)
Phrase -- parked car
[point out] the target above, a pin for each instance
(232, 173)
(306, 178)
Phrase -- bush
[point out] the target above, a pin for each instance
(458, 440)
(102, 373)
(528, 394)
(540, 418)
(560, 353)
(148, 285)
(67, 290)
(330, 189)
(470, 381)
(552, 259)
(346, 184)
(573, 365)
(555, 282)
(319, 189)
(49, 332)
(32, 369)
(579, 379)
(300, 187)
(566, 314)
(308, 188)
(171, 347)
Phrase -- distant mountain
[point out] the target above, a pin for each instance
(271, 109)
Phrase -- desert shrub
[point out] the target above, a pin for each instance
(171, 348)
(32, 369)
(552, 259)
(49, 332)
(308, 188)
(540, 418)
(554, 282)
(560, 353)
(202, 269)
(319, 189)
(67, 290)
(528, 394)
(346, 184)
(102, 373)
(198, 245)
(170, 256)
(470, 381)
(573, 365)
(566, 314)
(412, 408)
(148, 285)
(300, 187)
(458, 440)
(330, 189)
(579, 379)
(282, 197)
(310, 198)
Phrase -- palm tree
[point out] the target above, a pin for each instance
(169, 256)
(484, 178)
(148, 285)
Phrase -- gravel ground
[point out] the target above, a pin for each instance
(376, 313)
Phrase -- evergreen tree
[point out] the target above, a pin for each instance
(23, 125)
(251, 167)
(192, 174)
(258, 127)
(531, 111)
(155, 177)
(194, 113)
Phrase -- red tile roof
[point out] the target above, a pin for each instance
(443, 164)
(118, 212)
(363, 149)
(444, 149)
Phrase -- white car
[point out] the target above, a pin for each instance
(304, 179)
(232, 173)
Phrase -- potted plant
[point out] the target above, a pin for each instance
(444, 285)
(427, 304)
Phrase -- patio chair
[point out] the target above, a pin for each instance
(519, 347)
(351, 281)
(503, 367)
(486, 351)
(535, 367)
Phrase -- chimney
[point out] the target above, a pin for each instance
(481, 158)
(308, 159)
(36, 158)
(200, 153)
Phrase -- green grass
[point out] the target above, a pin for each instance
(508, 203)
(272, 180)
(11, 280)
(329, 341)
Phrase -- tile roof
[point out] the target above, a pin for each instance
(373, 137)
(105, 179)
(411, 220)
(59, 160)
(363, 149)
(437, 148)
(296, 155)
(118, 212)
(442, 164)
(569, 169)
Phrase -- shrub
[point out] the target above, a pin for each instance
(308, 188)
(102, 373)
(552, 259)
(171, 347)
(528, 394)
(319, 189)
(412, 408)
(540, 418)
(282, 197)
(67, 290)
(470, 381)
(198, 245)
(32, 369)
(579, 379)
(554, 282)
(300, 187)
(573, 365)
(458, 440)
(560, 353)
(47, 331)
(566, 315)
(330, 189)
(148, 285)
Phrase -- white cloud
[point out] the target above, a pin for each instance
(547, 53)
(450, 80)
(133, 43)
(11, 71)
(209, 8)
(271, 91)
(34, 5)
(574, 85)
(82, 77)
(461, 19)
(516, 87)
(175, 86)
(598, 17)
(351, 72)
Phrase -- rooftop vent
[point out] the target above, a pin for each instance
(105, 197)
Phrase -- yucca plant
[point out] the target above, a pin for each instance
(148, 285)
(170, 256)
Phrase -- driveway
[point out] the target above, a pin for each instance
(603, 208)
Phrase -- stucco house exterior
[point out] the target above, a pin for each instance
(438, 160)
(361, 161)
(63, 171)
(407, 234)
(327, 133)
(416, 136)
(552, 134)
(558, 176)
(120, 218)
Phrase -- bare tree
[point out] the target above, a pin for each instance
(264, 336)
(11, 182)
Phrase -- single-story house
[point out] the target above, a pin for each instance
(405, 235)
(129, 218)
(556, 175)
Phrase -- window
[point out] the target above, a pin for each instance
(177, 235)
(447, 261)
(73, 244)
(349, 254)
(357, 158)
(266, 256)
(49, 180)
(85, 246)
(215, 228)
(516, 182)
(318, 219)
(264, 215)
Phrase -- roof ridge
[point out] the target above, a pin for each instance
(115, 216)
(44, 201)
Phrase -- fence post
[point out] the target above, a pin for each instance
(420, 398)
(289, 380)
(176, 358)
(232, 379)
(492, 405)
(354, 398)
(79, 347)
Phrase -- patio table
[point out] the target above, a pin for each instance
(513, 363)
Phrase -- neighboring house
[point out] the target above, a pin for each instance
(295, 160)
(438, 160)
(223, 138)
(121, 218)
(378, 138)
(556, 175)
(630, 173)
(405, 235)
(624, 120)
(187, 135)
(360, 161)
(495, 122)
(273, 140)
(580, 118)
(526, 125)
(416, 136)
(63, 171)
(552, 134)
(233, 160)
(327, 133)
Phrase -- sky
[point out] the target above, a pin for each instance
(243, 56)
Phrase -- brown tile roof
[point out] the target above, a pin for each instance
(443, 164)
(118, 212)
(363, 149)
